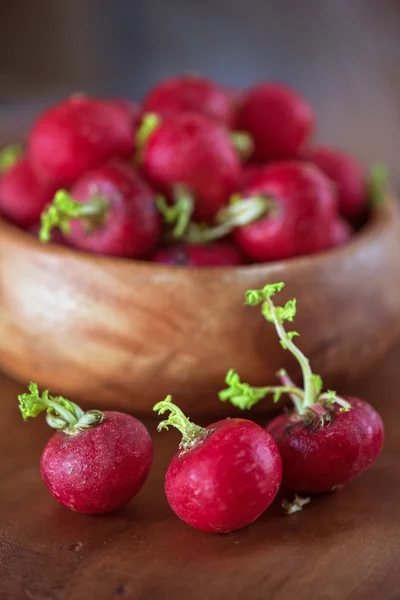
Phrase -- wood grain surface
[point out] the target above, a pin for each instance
(344, 546)
(127, 333)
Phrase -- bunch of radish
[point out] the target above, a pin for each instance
(196, 175)
(225, 475)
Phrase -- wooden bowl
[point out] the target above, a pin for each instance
(118, 333)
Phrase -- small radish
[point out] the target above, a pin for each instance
(224, 476)
(325, 440)
(79, 134)
(97, 461)
(110, 210)
(217, 254)
(191, 152)
(287, 210)
(23, 193)
(278, 119)
(190, 93)
(349, 176)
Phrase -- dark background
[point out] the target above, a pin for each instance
(343, 55)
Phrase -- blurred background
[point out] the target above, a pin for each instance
(344, 56)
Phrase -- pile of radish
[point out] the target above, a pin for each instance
(196, 175)
(225, 475)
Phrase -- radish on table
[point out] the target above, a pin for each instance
(224, 476)
(110, 210)
(97, 461)
(325, 440)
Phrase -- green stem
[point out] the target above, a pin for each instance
(61, 414)
(245, 396)
(150, 122)
(237, 214)
(287, 381)
(191, 433)
(179, 213)
(64, 209)
(243, 144)
(378, 184)
(9, 156)
(310, 396)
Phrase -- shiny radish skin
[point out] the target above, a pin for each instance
(278, 119)
(97, 461)
(191, 93)
(100, 469)
(326, 440)
(299, 220)
(192, 150)
(227, 480)
(79, 134)
(348, 175)
(319, 459)
(218, 254)
(24, 193)
(131, 225)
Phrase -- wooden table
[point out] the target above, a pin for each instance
(344, 545)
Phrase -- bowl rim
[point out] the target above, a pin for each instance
(380, 217)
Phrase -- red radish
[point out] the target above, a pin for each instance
(250, 172)
(195, 152)
(110, 210)
(190, 93)
(218, 254)
(79, 134)
(224, 476)
(279, 120)
(349, 176)
(97, 461)
(341, 232)
(287, 210)
(326, 440)
(24, 193)
(130, 108)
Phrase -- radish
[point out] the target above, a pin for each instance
(224, 476)
(110, 211)
(217, 254)
(326, 440)
(96, 462)
(23, 192)
(193, 159)
(190, 93)
(349, 176)
(287, 210)
(79, 134)
(279, 121)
